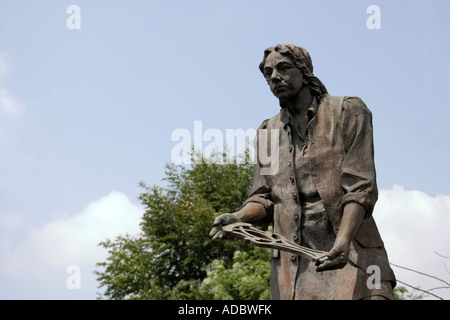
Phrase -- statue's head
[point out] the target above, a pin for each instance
(287, 69)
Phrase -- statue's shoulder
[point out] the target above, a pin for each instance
(263, 124)
(352, 104)
(355, 104)
(271, 123)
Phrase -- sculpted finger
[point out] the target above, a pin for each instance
(324, 265)
(218, 235)
(332, 264)
(214, 232)
(321, 260)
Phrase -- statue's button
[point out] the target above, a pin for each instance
(290, 148)
(295, 237)
(296, 216)
(291, 179)
(293, 257)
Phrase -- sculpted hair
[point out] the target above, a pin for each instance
(302, 60)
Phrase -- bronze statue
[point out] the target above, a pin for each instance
(323, 191)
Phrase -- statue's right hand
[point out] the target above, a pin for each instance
(219, 222)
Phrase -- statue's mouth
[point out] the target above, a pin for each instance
(277, 88)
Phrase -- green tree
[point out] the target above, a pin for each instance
(401, 293)
(247, 279)
(173, 256)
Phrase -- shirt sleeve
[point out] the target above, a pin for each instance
(261, 192)
(358, 175)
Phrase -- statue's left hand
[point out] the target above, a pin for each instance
(336, 258)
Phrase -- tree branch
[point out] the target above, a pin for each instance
(424, 291)
(437, 288)
(425, 274)
(441, 255)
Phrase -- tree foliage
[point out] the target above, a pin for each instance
(247, 279)
(173, 256)
(401, 293)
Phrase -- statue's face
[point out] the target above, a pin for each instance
(284, 78)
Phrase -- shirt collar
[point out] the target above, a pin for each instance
(287, 116)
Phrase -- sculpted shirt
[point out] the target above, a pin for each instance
(319, 163)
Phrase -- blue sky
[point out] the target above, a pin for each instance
(87, 114)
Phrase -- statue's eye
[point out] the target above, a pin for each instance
(284, 67)
(267, 72)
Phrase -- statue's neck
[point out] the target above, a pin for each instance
(300, 103)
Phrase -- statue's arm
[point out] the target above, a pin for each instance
(358, 180)
(352, 217)
(257, 208)
(252, 212)
(358, 175)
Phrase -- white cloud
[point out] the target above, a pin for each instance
(10, 105)
(415, 226)
(74, 240)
